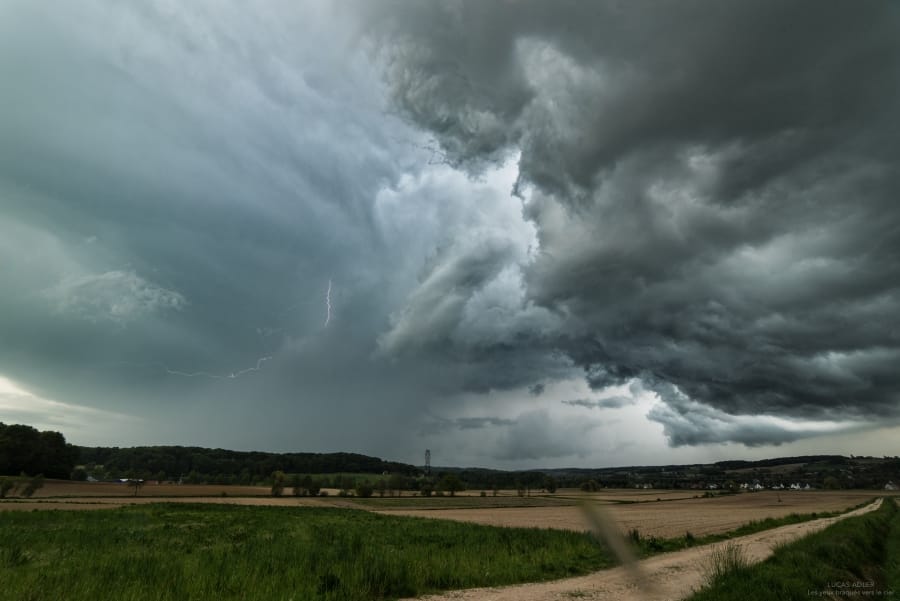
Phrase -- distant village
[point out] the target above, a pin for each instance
(753, 486)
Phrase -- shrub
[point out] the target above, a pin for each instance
(7, 485)
(724, 560)
(33, 485)
(634, 535)
(277, 483)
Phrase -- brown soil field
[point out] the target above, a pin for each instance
(665, 518)
(65, 488)
(88, 503)
(652, 512)
(627, 495)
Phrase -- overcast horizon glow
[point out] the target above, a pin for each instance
(520, 234)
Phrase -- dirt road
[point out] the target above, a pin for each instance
(666, 577)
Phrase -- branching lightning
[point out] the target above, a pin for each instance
(201, 374)
(328, 304)
(205, 374)
(261, 332)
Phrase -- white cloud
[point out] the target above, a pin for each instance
(117, 296)
(475, 243)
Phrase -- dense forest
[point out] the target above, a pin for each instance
(220, 466)
(24, 449)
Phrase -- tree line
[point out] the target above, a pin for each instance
(221, 466)
(24, 449)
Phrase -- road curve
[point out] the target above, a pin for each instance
(664, 577)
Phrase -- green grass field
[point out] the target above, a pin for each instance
(857, 558)
(198, 551)
(193, 552)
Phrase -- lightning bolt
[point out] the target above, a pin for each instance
(205, 374)
(328, 304)
(258, 367)
(261, 332)
(200, 374)
(233, 375)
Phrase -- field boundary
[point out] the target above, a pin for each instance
(665, 576)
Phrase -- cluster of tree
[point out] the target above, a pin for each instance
(301, 486)
(392, 485)
(24, 486)
(590, 485)
(220, 466)
(396, 484)
(487, 479)
(24, 449)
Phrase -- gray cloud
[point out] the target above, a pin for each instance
(615, 402)
(688, 422)
(470, 423)
(712, 212)
(176, 194)
(118, 296)
(441, 424)
(537, 435)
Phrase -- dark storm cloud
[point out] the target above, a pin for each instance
(145, 175)
(708, 204)
(442, 424)
(537, 435)
(179, 185)
(475, 423)
(714, 187)
(537, 389)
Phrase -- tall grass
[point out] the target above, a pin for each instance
(193, 552)
(724, 561)
(892, 564)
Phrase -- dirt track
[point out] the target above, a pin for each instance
(665, 577)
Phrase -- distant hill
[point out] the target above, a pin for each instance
(818, 471)
(197, 464)
(24, 449)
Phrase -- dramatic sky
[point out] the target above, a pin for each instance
(519, 233)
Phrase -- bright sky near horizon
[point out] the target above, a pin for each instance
(521, 234)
